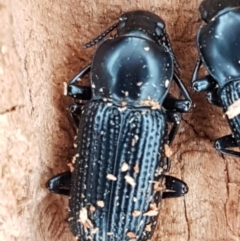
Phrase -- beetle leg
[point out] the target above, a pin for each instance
(206, 83)
(172, 104)
(183, 90)
(75, 111)
(223, 143)
(174, 118)
(196, 70)
(174, 187)
(213, 98)
(76, 91)
(60, 183)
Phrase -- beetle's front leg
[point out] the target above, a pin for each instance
(175, 118)
(76, 91)
(176, 105)
(60, 183)
(222, 144)
(206, 83)
(174, 187)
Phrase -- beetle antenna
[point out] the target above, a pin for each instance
(100, 37)
(168, 44)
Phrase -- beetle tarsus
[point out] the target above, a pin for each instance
(60, 183)
(223, 143)
(174, 187)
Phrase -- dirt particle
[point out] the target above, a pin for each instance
(233, 109)
(71, 167)
(92, 209)
(100, 204)
(154, 104)
(131, 235)
(130, 180)
(139, 83)
(167, 150)
(111, 177)
(136, 168)
(151, 213)
(94, 230)
(136, 213)
(65, 85)
(83, 219)
(124, 167)
(110, 233)
(159, 186)
(148, 228)
(123, 103)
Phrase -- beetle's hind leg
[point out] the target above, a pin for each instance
(174, 187)
(60, 183)
(223, 143)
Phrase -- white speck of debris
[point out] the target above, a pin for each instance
(126, 93)
(151, 213)
(239, 61)
(93, 86)
(124, 103)
(216, 36)
(101, 90)
(136, 213)
(131, 235)
(130, 180)
(134, 199)
(92, 209)
(167, 83)
(105, 99)
(95, 230)
(124, 167)
(100, 204)
(75, 145)
(139, 83)
(83, 219)
(111, 177)
(65, 88)
(146, 48)
(144, 66)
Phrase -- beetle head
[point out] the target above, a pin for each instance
(141, 24)
(211, 8)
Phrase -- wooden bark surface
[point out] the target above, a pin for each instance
(40, 48)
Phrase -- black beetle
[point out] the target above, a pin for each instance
(118, 177)
(219, 49)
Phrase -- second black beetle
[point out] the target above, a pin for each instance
(119, 177)
(219, 48)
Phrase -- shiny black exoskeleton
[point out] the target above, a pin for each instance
(118, 177)
(219, 48)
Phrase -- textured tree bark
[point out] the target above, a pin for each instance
(40, 48)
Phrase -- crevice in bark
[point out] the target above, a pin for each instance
(186, 217)
(196, 132)
(12, 109)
